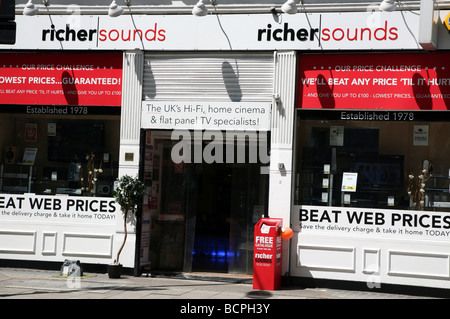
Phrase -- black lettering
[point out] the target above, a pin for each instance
(57, 204)
(276, 37)
(93, 205)
(112, 207)
(269, 26)
(302, 34)
(287, 31)
(69, 32)
(82, 34)
(422, 223)
(407, 220)
(79, 205)
(354, 216)
(44, 34)
(312, 34)
(58, 35)
(303, 216)
(287, 34)
(261, 33)
(52, 33)
(91, 34)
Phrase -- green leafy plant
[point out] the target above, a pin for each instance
(128, 195)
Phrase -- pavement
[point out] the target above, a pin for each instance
(23, 283)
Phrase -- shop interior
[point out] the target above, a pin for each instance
(50, 154)
(201, 215)
(399, 164)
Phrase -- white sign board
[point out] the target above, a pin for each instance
(54, 228)
(249, 116)
(382, 223)
(421, 135)
(303, 31)
(57, 209)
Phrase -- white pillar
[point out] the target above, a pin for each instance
(130, 124)
(130, 119)
(282, 126)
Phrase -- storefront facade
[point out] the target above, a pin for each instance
(185, 199)
(50, 123)
(196, 103)
(372, 179)
(371, 171)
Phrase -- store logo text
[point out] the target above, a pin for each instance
(155, 33)
(382, 33)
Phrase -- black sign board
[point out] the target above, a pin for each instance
(374, 115)
(7, 8)
(7, 24)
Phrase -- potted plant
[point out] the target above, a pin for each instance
(128, 195)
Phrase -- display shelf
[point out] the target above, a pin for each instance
(438, 193)
(16, 178)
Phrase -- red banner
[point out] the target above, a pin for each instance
(61, 79)
(407, 81)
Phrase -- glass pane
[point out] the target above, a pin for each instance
(399, 164)
(168, 208)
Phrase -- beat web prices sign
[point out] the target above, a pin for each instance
(380, 223)
(396, 81)
(57, 209)
(61, 79)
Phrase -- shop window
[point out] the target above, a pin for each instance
(48, 156)
(373, 164)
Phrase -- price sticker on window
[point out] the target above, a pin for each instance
(349, 181)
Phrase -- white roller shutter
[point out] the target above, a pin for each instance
(212, 77)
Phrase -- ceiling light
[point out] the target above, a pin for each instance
(200, 9)
(387, 5)
(289, 7)
(30, 9)
(115, 10)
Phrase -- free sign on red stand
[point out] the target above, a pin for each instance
(394, 81)
(61, 79)
(267, 254)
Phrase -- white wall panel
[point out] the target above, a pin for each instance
(371, 261)
(331, 258)
(17, 242)
(375, 261)
(89, 245)
(415, 264)
(49, 243)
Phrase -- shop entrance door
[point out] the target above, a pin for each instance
(201, 215)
